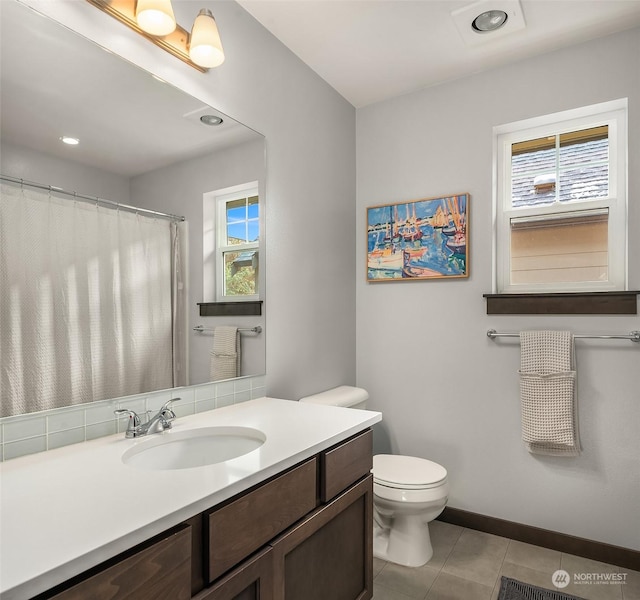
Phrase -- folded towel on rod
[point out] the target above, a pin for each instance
(225, 353)
(548, 394)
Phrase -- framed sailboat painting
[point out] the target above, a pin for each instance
(419, 239)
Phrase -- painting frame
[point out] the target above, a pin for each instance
(419, 240)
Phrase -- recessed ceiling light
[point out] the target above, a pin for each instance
(211, 120)
(489, 20)
(71, 141)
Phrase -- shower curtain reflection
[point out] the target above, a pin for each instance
(86, 302)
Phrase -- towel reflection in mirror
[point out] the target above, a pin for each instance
(225, 353)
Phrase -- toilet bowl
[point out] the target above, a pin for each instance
(408, 493)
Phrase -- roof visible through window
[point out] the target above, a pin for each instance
(582, 172)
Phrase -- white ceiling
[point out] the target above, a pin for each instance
(371, 50)
(56, 83)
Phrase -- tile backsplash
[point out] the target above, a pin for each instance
(46, 430)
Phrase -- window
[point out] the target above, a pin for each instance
(231, 244)
(560, 202)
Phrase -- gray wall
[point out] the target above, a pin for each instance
(447, 392)
(178, 189)
(31, 165)
(310, 191)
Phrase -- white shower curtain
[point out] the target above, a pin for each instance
(85, 302)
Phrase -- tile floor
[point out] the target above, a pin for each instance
(468, 564)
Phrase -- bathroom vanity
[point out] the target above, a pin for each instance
(292, 518)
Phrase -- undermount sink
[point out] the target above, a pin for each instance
(193, 448)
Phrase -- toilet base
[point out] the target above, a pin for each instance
(406, 543)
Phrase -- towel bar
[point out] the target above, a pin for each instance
(256, 329)
(634, 336)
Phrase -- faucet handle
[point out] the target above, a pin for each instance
(166, 411)
(132, 415)
(134, 420)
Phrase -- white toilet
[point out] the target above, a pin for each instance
(408, 493)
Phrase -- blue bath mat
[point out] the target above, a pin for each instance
(510, 589)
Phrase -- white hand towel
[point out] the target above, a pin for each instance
(225, 353)
(548, 393)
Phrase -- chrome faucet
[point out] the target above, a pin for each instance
(159, 422)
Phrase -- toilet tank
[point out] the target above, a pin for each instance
(344, 395)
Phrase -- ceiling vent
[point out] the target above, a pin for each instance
(465, 17)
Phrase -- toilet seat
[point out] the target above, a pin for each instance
(407, 472)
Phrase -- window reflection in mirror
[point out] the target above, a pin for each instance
(231, 247)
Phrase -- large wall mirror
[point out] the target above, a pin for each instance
(142, 143)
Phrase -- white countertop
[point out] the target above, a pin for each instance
(66, 510)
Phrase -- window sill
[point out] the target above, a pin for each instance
(578, 303)
(249, 308)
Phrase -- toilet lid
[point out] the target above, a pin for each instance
(407, 472)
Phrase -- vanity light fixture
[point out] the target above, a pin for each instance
(154, 19)
(70, 141)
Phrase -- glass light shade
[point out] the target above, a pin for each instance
(155, 17)
(205, 47)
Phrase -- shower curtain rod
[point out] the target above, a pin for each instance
(94, 199)
(634, 336)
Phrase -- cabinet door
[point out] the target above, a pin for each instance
(329, 555)
(158, 570)
(252, 580)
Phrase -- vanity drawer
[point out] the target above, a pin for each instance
(249, 522)
(158, 570)
(345, 464)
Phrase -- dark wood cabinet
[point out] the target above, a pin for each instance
(305, 534)
(324, 507)
(329, 554)
(249, 522)
(157, 570)
(252, 580)
(345, 464)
